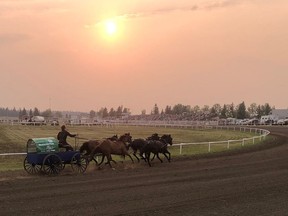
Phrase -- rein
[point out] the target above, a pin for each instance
(82, 138)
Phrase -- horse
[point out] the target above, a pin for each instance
(89, 146)
(156, 147)
(154, 136)
(118, 147)
(138, 144)
(113, 138)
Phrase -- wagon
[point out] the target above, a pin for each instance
(44, 155)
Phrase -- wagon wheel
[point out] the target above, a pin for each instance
(31, 168)
(79, 163)
(52, 164)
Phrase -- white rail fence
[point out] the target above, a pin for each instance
(261, 135)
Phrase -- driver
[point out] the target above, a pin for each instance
(62, 136)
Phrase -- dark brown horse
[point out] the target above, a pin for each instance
(118, 147)
(138, 144)
(156, 147)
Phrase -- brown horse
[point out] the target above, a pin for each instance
(87, 149)
(89, 146)
(118, 147)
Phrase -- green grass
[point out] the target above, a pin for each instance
(13, 138)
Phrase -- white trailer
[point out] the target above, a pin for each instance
(268, 119)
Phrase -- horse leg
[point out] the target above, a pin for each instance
(168, 157)
(103, 156)
(142, 156)
(157, 154)
(153, 157)
(109, 158)
(134, 153)
(131, 157)
(147, 155)
(96, 162)
(136, 157)
(113, 161)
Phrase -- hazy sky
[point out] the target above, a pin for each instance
(58, 53)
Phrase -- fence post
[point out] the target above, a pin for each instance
(180, 149)
(209, 146)
(253, 140)
(243, 141)
(228, 144)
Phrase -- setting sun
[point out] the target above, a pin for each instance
(110, 27)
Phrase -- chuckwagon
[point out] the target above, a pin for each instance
(44, 155)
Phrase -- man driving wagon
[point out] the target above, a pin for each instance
(62, 137)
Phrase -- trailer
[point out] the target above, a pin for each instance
(44, 155)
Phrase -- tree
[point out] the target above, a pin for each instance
(112, 112)
(241, 111)
(105, 113)
(252, 110)
(168, 110)
(180, 109)
(205, 108)
(196, 109)
(126, 110)
(155, 110)
(30, 113)
(267, 109)
(36, 112)
(24, 112)
(119, 111)
(92, 114)
(216, 110)
(231, 111)
(259, 111)
(224, 112)
(47, 113)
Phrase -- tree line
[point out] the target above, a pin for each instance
(240, 111)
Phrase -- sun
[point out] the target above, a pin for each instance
(110, 27)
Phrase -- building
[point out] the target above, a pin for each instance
(280, 113)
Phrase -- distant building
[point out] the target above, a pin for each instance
(280, 113)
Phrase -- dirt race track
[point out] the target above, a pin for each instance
(253, 182)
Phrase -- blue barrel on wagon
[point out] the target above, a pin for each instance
(44, 155)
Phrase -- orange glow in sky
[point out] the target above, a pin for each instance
(76, 55)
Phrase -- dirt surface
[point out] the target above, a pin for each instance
(253, 182)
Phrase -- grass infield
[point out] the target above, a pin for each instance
(13, 138)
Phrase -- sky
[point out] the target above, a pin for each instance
(84, 55)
